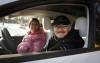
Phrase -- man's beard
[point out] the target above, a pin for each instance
(61, 34)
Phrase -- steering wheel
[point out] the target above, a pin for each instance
(8, 43)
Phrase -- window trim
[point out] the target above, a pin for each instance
(44, 55)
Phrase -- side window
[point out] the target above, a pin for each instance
(16, 25)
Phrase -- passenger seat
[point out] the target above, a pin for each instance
(81, 25)
(47, 28)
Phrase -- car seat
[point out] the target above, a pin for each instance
(81, 25)
(47, 28)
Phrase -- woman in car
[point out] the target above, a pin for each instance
(34, 40)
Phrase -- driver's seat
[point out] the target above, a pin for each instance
(8, 43)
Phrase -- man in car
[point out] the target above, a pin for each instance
(64, 37)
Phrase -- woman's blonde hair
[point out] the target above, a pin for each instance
(34, 21)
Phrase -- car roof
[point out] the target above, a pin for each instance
(23, 4)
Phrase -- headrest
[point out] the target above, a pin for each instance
(81, 25)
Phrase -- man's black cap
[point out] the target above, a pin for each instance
(61, 20)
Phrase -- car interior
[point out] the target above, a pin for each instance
(15, 25)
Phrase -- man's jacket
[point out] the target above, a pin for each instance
(70, 41)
